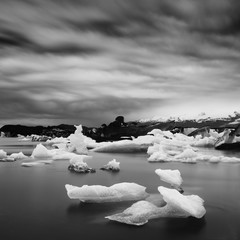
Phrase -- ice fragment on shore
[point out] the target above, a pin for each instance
(96, 193)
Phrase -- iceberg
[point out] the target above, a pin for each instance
(188, 155)
(62, 155)
(3, 154)
(172, 177)
(177, 205)
(138, 214)
(120, 146)
(98, 194)
(41, 152)
(19, 155)
(78, 158)
(112, 166)
(24, 139)
(139, 144)
(77, 143)
(78, 165)
(5, 158)
(57, 140)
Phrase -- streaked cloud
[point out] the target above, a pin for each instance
(90, 60)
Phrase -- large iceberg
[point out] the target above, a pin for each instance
(118, 192)
(77, 143)
(177, 205)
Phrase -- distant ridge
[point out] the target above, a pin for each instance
(130, 129)
(59, 130)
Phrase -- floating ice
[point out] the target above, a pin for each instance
(3, 154)
(182, 152)
(79, 158)
(77, 141)
(139, 144)
(119, 146)
(138, 214)
(188, 155)
(78, 165)
(61, 146)
(36, 163)
(25, 139)
(62, 155)
(99, 194)
(7, 159)
(112, 166)
(177, 205)
(204, 142)
(19, 155)
(57, 140)
(41, 152)
(172, 177)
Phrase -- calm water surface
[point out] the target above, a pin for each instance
(34, 204)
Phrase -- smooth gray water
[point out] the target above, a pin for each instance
(34, 204)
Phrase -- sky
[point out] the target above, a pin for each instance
(88, 61)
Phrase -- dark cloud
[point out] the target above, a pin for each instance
(89, 60)
(12, 38)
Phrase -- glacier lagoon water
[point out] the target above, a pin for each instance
(34, 203)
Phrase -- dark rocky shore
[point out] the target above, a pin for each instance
(118, 129)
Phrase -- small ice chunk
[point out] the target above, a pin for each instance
(81, 167)
(78, 165)
(24, 139)
(172, 177)
(118, 192)
(7, 159)
(41, 152)
(112, 166)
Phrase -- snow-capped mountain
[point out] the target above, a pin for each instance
(202, 117)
